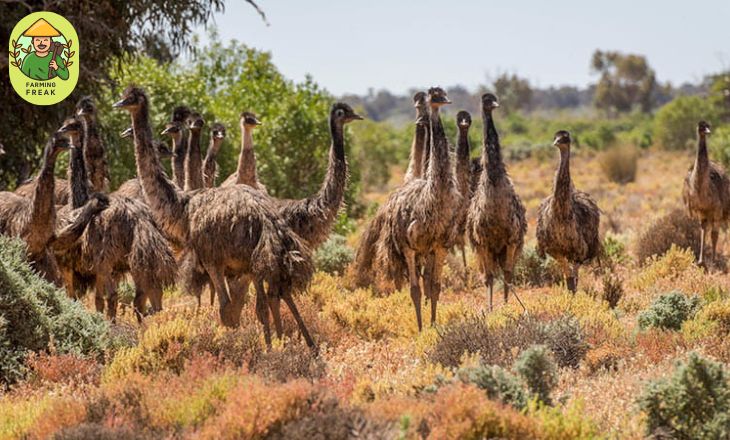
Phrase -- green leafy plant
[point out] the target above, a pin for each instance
(694, 403)
(669, 311)
(537, 368)
(334, 255)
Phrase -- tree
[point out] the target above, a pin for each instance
(514, 92)
(627, 81)
(675, 124)
(107, 29)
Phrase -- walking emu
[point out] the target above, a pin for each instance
(706, 194)
(232, 231)
(496, 221)
(568, 220)
(419, 227)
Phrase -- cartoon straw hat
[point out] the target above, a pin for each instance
(41, 28)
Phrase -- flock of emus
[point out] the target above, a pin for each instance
(185, 230)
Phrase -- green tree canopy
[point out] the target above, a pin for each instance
(627, 81)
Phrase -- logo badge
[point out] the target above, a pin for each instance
(44, 58)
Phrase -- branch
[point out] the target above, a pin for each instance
(261, 13)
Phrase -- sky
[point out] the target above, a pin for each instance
(352, 46)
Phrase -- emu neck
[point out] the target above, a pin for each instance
(78, 177)
(209, 164)
(563, 184)
(415, 165)
(492, 154)
(43, 211)
(702, 162)
(439, 167)
(167, 206)
(94, 155)
(463, 165)
(194, 162)
(180, 151)
(246, 172)
(333, 190)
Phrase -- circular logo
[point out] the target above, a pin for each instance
(44, 58)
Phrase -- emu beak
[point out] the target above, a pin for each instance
(556, 142)
(257, 122)
(126, 133)
(496, 104)
(122, 103)
(356, 117)
(707, 130)
(167, 130)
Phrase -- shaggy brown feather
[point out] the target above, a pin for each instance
(210, 166)
(94, 158)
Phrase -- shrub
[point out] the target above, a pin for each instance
(675, 124)
(497, 383)
(499, 346)
(533, 271)
(669, 311)
(614, 250)
(34, 314)
(293, 361)
(693, 403)
(675, 228)
(613, 290)
(619, 164)
(334, 256)
(537, 368)
(332, 421)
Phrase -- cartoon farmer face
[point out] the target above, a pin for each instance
(45, 62)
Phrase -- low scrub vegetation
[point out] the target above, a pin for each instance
(669, 311)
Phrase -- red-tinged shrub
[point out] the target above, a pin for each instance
(465, 412)
(606, 357)
(96, 431)
(122, 404)
(63, 368)
(657, 344)
(59, 415)
(255, 408)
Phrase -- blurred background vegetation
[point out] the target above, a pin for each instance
(623, 113)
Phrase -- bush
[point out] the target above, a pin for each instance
(694, 403)
(619, 164)
(669, 311)
(614, 250)
(293, 361)
(675, 228)
(34, 314)
(334, 255)
(497, 383)
(537, 368)
(675, 124)
(499, 346)
(613, 290)
(533, 271)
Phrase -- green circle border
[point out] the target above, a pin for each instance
(63, 88)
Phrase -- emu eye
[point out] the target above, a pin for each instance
(340, 113)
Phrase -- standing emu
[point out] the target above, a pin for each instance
(246, 172)
(96, 165)
(210, 166)
(496, 221)
(706, 194)
(419, 227)
(231, 231)
(367, 249)
(568, 221)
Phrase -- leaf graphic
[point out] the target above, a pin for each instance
(70, 63)
(72, 54)
(69, 43)
(14, 43)
(14, 63)
(26, 49)
(65, 45)
(65, 52)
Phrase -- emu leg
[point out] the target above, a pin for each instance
(289, 300)
(275, 307)
(428, 276)
(573, 281)
(463, 261)
(565, 268)
(99, 293)
(415, 288)
(489, 284)
(224, 299)
(714, 235)
(703, 231)
(509, 264)
(139, 303)
(262, 311)
(438, 265)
